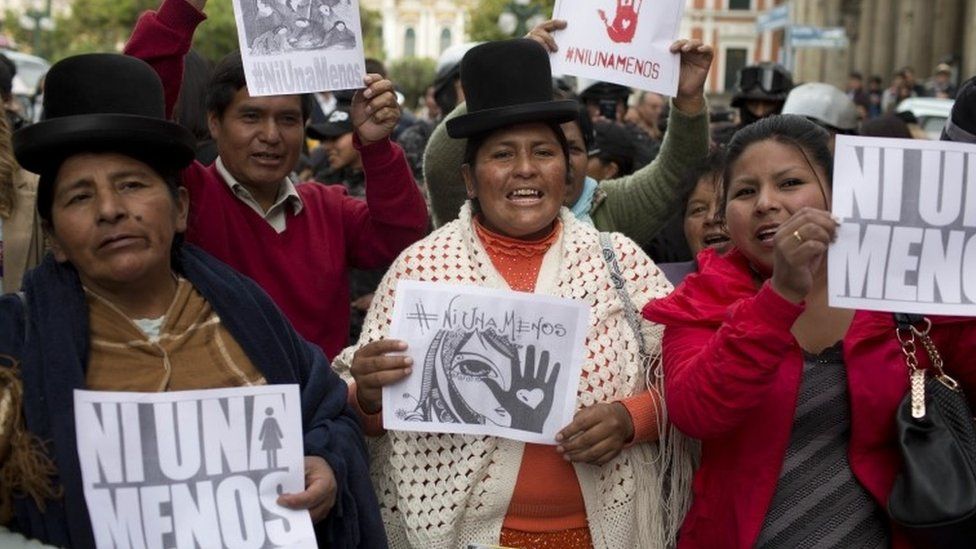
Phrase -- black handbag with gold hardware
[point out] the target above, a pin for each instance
(934, 497)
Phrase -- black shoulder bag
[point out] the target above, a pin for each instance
(934, 497)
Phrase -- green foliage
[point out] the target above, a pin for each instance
(217, 36)
(412, 75)
(483, 23)
(372, 23)
(12, 29)
(93, 25)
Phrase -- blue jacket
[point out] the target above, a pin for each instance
(54, 354)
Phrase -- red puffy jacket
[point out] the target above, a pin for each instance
(732, 374)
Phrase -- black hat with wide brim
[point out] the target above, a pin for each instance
(506, 83)
(103, 102)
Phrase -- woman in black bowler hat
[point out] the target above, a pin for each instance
(120, 304)
(617, 475)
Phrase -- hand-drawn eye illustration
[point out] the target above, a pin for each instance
(478, 377)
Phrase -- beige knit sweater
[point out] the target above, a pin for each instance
(442, 491)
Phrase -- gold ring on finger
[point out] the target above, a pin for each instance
(798, 236)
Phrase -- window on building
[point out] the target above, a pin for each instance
(445, 38)
(410, 43)
(740, 4)
(735, 59)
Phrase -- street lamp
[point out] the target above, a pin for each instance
(518, 17)
(37, 18)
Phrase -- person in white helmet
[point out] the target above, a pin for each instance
(826, 105)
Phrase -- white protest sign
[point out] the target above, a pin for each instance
(626, 42)
(300, 46)
(486, 362)
(907, 242)
(193, 468)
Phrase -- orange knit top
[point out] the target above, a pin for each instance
(547, 494)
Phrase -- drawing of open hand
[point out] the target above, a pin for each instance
(529, 398)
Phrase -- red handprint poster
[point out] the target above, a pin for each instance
(621, 41)
(624, 24)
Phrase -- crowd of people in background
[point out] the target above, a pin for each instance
(179, 200)
(876, 99)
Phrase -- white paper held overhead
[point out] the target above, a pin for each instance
(300, 46)
(626, 42)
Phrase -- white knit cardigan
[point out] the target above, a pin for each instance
(441, 491)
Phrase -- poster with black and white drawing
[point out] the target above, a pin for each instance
(193, 468)
(486, 361)
(300, 46)
(907, 239)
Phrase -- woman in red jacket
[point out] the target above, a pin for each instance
(794, 401)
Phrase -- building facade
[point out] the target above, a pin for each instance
(888, 34)
(421, 28)
(883, 36)
(730, 27)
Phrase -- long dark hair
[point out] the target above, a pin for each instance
(191, 106)
(810, 139)
(713, 165)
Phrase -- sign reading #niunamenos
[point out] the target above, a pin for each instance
(626, 42)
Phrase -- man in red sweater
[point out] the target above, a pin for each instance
(297, 241)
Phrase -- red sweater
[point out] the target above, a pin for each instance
(305, 268)
(732, 374)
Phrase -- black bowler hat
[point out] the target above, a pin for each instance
(103, 102)
(507, 82)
